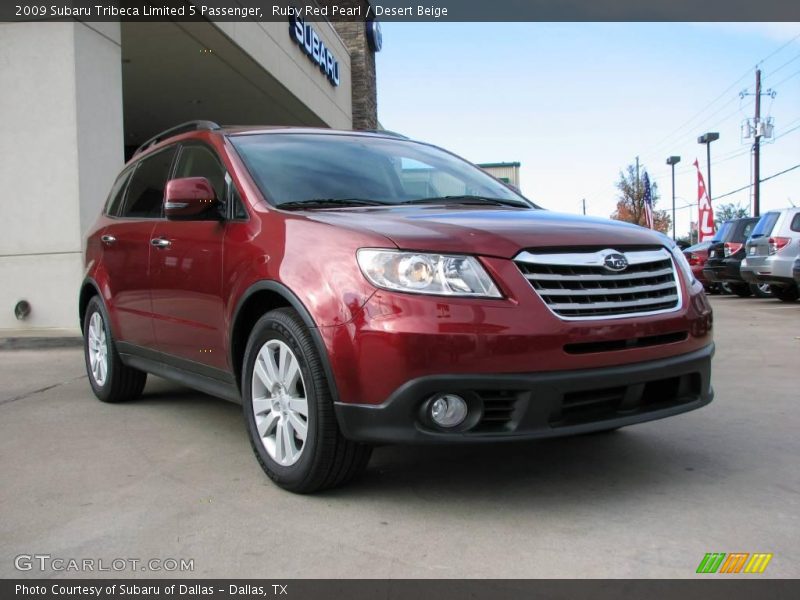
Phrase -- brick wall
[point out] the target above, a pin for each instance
(362, 64)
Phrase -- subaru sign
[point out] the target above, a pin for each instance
(305, 37)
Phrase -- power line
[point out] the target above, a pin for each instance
(795, 74)
(786, 64)
(749, 185)
(766, 58)
(747, 73)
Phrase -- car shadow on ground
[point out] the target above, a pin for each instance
(601, 467)
(597, 467)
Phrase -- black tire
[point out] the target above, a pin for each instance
(741, 289)
(785, 293)
(120, 383)
(761, 290)
(327, 459)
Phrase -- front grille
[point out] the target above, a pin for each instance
(578, 285)
(590, 406)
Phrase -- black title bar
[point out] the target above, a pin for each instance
(401, 10)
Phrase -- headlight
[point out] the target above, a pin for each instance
(680, 258)
(439, 274)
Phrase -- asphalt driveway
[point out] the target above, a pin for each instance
(171, 476)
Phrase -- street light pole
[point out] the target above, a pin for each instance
(706, 139)
(672, 161)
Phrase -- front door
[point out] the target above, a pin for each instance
(186, 274)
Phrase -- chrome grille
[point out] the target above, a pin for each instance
(578, 285)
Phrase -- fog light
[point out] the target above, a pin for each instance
(448, 410)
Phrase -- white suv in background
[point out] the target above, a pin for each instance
(771, 251)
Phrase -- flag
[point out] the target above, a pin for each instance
(705, 214)
(648, 203)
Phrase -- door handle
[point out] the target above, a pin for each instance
(108, 239)
(160, 243)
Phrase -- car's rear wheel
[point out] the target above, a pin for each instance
(741, 289)
(289, 411)
(761, 290)
(785, 293)
(111, 380)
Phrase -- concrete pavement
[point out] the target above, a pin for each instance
(172, 476)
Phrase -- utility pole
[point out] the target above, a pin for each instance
(672, 161)
(584, 206)
(758, 129)
(757, 151)
(636, 198)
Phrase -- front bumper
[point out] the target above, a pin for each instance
(539, 405)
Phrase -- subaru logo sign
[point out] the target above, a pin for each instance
(614, 261)
(309, 41)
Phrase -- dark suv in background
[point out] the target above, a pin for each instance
(725, 255)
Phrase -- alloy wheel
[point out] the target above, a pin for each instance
(279, 402)
(98, 349)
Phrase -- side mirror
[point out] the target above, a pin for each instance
(190, 199)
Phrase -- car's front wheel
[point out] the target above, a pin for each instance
(110, 379)
(289, 411)
(761, 290)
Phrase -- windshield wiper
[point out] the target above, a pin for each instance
(469, 199)
(329, 202)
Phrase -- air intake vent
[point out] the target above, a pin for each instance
(605, 284)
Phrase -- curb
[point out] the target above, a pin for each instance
(38, 343)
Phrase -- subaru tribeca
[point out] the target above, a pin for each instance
(352, 289)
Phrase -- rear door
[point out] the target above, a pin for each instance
(126, 241)
(186, 273)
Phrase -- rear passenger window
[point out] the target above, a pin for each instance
(795, 226)
(765, 224)
(146, 190)
(748, 229)
(117, 193)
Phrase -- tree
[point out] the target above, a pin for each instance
(630, 202)
(726, 212)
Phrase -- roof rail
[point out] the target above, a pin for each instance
(385, 132)
(182, 128)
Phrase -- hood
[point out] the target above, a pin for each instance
(494, 231)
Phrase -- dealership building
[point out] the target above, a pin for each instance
(76, 98)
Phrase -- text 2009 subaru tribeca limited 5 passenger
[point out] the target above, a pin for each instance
(352, 289)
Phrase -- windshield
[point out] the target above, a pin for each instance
(298, 168)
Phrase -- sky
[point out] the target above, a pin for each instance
(575, 103)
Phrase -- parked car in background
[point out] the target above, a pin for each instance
(697, 256)
(725, 255)
(772, 250)
(796, 271)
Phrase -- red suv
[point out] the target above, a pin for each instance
(352, 289)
